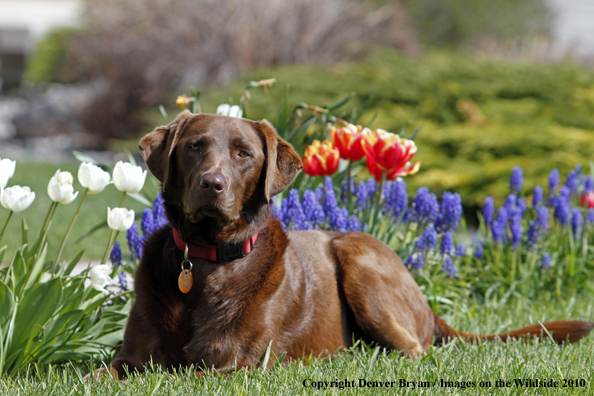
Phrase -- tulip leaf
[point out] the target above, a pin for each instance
(163, 111)
(357, 113)
(140, 198)
(19, 272)
(92, 231)
(6, 304)
(2, 251)
(67, 270)
(24, 232)
(36, 268)
(368, 125)
(283, 118)
(340, 102)
(416, 132)
(82, 157)
(35, 308)
(130, 156)
(61, 323)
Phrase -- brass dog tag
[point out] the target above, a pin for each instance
(185, 281)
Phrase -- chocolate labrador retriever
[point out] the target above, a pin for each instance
(225, 280)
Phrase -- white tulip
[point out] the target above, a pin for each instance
(60, 188)
(120, 219)
(231, 111)
(128, 177)
(99, 275)
(92, 177)
(17, 198)
(6, 171)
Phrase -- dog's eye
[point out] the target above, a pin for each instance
(243, 154)
(195, 146)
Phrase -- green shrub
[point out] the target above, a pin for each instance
(47, 62)
(480, 116)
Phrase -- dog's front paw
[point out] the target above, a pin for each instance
(104, 371)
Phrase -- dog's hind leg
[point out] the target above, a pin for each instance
(386, 301)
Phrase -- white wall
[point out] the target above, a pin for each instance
(39, 16)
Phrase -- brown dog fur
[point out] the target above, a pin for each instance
(309, 292)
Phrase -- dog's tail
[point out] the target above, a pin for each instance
(559, 330)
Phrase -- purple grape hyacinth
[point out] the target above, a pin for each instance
(451, 212)
(516, 181)
(546, 261)
(489, 210)
(478, 250)
(554, 180)
(447, 242)
(517, 230)
(577, 223)
(537, 198)
(415, 261)
(428, 240)
(449, 267)
(425, 206)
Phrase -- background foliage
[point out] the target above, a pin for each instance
(480, 115)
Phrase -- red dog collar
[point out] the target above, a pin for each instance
(230, 251)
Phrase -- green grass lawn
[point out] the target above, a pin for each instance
(93, 212)
(455, 362)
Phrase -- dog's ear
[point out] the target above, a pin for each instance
(282, 163)
(157, 146)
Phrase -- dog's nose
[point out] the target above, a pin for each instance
(213, 182)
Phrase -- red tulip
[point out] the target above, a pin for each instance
(321, 159)
(587, 199)
(347, 140)
(389, 152)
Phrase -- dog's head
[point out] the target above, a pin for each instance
(218, 174)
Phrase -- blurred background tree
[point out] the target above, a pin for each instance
(456, 23)
(486, 79)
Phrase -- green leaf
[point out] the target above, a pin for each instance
(163, 111)
(92, 231)
(416, 132)
(82, 157)
(340, 102)
(267, 355)
(130, 156)
(283, 118)
(140, 198)
(67, 270)
(6, 304)
(19, 272)
(60, 323)
(24, 232)
(36, 268)
(35, 308)
(2, 251)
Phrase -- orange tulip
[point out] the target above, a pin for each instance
(321, 159)
(389, 152)
(347, 140)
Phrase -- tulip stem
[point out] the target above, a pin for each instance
(109, 242)
(51, 212)
(122, 200)
(70, 227)
(377, 199)
(348, 181)
(47, 216)
(5, 225)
